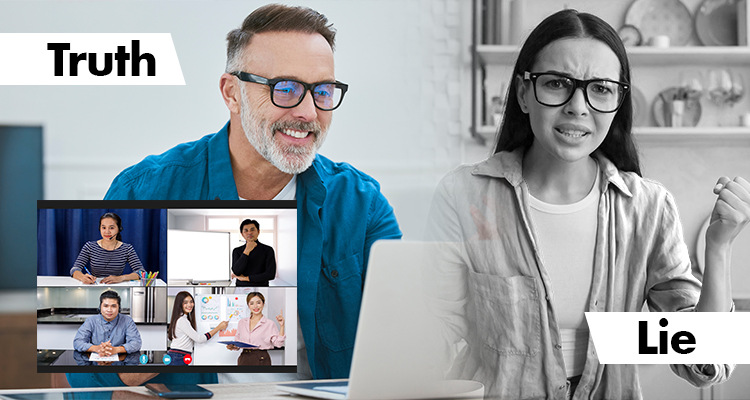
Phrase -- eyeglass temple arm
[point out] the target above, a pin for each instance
(244, 76)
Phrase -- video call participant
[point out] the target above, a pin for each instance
(116, 333)
(253, 264)
(107, 256)
(268, 151)
(182, 331)
(108, 332)
(258, 330)
(560, 221)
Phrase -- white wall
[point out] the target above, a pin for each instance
(399, 122)
(188, 222)
(286, 251)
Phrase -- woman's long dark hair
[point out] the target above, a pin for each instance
(177, 313)
(618, 146)
(117, 219)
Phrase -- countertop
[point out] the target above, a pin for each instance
(225, 391)
(54, 281)
(742, 304)
(76, 316)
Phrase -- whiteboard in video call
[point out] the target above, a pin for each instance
(196, 255)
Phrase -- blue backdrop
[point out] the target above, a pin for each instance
(61, 234)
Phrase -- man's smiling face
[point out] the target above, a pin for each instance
(288, 138)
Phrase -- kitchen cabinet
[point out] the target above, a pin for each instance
(18, 346)
(735, 388)
(653, 69)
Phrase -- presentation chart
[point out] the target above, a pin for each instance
(236, 308)
(210, 308)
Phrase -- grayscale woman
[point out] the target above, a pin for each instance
(559, 221)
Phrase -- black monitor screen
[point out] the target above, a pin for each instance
(166, 286)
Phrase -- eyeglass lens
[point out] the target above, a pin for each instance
(555, 90)
(289, 94)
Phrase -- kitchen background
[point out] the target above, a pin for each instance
(62, 310)
(406, 137)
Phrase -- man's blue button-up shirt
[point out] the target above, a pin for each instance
(340, 214)
(121, 331)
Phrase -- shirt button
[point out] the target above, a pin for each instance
(334, 273)
(547, 297)
(558, 346)
(563, 387)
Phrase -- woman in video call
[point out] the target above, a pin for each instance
(559, 221)
(258, 330)
(182, 331)
(107, 256)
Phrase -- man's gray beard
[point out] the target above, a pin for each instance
(289, 159)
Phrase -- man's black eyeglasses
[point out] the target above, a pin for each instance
(288, 93)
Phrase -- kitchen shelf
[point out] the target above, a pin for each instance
(640, 56)
(489, 60)
(696, 55)
(688, 135)
(498, 54)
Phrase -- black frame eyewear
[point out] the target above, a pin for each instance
(578, 83)
(271, 83)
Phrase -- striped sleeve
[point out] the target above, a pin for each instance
(84, 257)
(133, 260)
(107, 262)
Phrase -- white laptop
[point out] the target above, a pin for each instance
(398, 353)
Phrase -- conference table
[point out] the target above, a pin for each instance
(62, 281)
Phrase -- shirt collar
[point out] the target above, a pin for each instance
(221, 178)
(508, 165)
(310, 185)
(114, 321)
(263, 319)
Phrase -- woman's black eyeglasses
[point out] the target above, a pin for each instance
(553, 90)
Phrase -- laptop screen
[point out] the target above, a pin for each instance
(166, 286)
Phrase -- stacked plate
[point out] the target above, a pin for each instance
(715, 21)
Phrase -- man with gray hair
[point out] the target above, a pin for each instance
(268, 151)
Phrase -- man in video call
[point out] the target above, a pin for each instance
(254, 263)
(280, 89)
(108, 332)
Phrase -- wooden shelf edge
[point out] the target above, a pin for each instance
(739, 131)
(689, 135)
(694, 135)
(643, 56)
